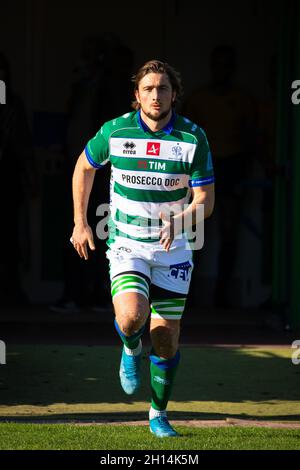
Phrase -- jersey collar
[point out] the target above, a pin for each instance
(167, 129)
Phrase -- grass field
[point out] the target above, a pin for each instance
(80, 383)
(72, 437)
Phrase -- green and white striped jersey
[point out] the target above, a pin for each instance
(150, 171)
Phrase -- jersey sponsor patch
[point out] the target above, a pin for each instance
(153, 148)
(149, 165)
(149, 180)
(142, 164)
(177, 150)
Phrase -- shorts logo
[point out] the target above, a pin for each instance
(142, 164)
(123, 248)
(180, 271)
(153, 148)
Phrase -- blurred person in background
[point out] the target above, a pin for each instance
(101, 80)
(227, 113)
(266, 155)
(17, 161)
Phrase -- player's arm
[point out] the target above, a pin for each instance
(201, 195)
(82, 183)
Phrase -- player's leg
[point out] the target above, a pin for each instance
(130, 280)
(130, 291)
(164, 361)
(166, 313)
(170, 285)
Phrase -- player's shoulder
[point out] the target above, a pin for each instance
(188, 127)
(126, 120)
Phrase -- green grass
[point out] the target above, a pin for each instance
(72, 437)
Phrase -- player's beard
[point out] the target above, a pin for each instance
(157, 117)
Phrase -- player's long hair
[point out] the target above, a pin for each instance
(156, 66)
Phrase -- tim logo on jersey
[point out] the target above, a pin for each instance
(142, 164)
(180, 271)
(153, 148)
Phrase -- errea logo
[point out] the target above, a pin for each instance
(153, 148)
(129, 148)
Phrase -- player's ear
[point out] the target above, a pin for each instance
(173, 96)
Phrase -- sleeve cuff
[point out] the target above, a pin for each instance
(90, 160)
(201, 181)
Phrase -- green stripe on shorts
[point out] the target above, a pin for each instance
(168, 308)
(129, 277)
(126, 283)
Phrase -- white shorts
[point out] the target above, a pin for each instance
(162, 276)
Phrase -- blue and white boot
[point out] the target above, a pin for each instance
(160, 426)
(130, 369)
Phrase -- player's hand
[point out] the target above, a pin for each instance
(166, 233)
(81, 238)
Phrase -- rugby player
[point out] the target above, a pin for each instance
(161, 172)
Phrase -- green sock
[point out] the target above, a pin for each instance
(163, 373)
(131, 342)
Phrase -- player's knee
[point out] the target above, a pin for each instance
(130, 323)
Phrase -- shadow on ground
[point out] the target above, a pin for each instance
(103, 418)
(212, 383)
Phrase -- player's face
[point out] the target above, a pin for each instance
(155, 96)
